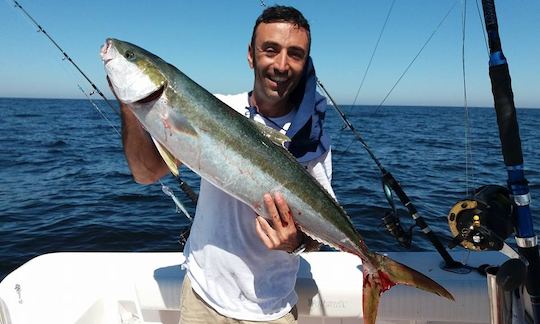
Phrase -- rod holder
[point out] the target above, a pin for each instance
(500, 300)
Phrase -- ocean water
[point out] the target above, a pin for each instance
(65, 185)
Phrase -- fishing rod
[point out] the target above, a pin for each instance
(182, 184)
(390, 184)
(44, 32)
(391, 219)
(501, 87)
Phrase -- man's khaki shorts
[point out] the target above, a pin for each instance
(194, 310)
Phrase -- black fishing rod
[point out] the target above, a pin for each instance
(526, 239)
(390, 184)
(183, 185)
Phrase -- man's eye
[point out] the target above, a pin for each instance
(296, 55)
(270, 51)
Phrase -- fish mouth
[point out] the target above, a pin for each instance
(152, 96)
(105, 52)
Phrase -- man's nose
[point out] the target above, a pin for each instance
(281, 62)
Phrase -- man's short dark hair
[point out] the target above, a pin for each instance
(282, 14)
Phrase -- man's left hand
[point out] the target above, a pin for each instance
(282, 234)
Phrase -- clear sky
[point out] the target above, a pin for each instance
(208, 41)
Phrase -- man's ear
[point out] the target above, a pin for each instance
(250, 56)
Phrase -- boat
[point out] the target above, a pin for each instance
(128, 287)
(78, 288)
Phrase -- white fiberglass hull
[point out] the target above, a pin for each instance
(79, 288)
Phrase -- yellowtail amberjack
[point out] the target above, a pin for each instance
(241, 157)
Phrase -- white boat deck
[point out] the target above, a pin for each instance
(84, 288)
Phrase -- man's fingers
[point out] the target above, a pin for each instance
(284, 211)
(265, 232)
(278, 233)
(272, 211)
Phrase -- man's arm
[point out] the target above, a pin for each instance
(142, 156)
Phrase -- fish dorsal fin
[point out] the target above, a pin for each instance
(169, 159)
(272, 134)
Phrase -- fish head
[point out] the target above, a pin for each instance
(134, 73)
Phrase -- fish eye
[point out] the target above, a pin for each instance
(129, 55)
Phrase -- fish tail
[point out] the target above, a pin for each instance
(388, 274)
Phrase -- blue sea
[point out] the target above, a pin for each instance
(65, 185)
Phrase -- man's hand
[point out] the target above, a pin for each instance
(282, 234)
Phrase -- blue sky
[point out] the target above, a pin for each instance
(208, 41)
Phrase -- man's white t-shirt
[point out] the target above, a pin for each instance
(228, 265)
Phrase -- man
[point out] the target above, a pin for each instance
(241, 267)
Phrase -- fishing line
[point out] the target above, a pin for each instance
(77, 80)
(165, 189)
(469, 165)
(483, 27)
(468, 153)
(390, 186)
(350, 126)
(374, 51)
(66, 56)
(468, 144)
(337, 138)
(414, 59)
(392, 224)
(370, 62)
(99, 111)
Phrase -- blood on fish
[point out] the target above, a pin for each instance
(166, 126)
(386, 283)
(166, 123)
(383, 279)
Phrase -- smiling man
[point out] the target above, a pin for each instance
(278, 53)
(241, 267)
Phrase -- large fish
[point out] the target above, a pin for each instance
(243, 158)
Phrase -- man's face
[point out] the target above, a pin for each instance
(278, 59)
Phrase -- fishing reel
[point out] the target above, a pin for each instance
(484, 220)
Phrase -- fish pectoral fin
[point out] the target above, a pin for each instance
(169, 159)
(179, 124)
(275, 136)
